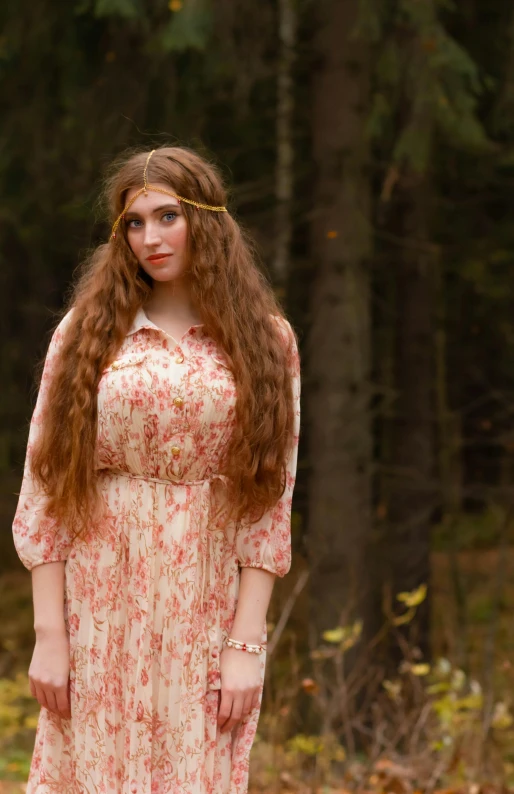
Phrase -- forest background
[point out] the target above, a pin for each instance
(370, 145)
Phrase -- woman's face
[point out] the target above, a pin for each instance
(156, 230)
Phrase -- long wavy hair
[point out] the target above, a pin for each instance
(236, 304)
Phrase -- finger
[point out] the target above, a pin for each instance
(40, 695)
(225, 707)
(256, 699)
(247, 705)
(61, 698)
(50, 699)
(235, 714)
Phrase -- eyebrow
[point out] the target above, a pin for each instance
(157, 209)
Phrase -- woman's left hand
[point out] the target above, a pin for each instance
(240, 686)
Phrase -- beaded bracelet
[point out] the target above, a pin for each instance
(244, 646)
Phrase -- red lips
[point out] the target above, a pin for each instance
(157, 257)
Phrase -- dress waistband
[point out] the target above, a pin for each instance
(161, 480)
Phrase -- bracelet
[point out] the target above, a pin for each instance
(244, 646)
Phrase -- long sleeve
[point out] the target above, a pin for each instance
(37, 538)
(267, 543)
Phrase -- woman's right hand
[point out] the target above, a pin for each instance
(49, 671)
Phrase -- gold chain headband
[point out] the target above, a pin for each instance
(146, 187)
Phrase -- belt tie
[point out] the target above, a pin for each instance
(163, 481)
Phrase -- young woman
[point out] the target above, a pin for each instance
(154, 511)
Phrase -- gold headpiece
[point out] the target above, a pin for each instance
(146, 187)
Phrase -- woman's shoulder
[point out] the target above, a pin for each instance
(65, 319)
(290, 340)
(286, 329)
(60, 328)
(281, 321)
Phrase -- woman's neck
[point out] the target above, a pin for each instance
(172, 300)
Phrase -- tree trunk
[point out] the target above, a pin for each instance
(412, 492)
(338, 349)
(285, 149)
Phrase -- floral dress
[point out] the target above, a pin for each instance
(150, 594)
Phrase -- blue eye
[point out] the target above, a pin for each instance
(136, 223)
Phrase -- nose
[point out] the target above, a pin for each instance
(152, 234)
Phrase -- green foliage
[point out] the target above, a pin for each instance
(429, 718)
(370, 20)
(470, 530)
(430, 80)
(344, 636)
(187, 23)
(18, 720)
(325, 750)
(15, 765)
(457, 704)
(189, 27)
(482, 610)
(459, 86)
(487, 275)
(414, 144)
(389, 65)
(126, 9)
(380, 116)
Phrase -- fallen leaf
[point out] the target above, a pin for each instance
(310, 686)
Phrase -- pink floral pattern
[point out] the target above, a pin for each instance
(151, 593)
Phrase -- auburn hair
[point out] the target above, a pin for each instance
(239, 310)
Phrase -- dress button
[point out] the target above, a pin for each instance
(214, 654)
(178, 401)
(175, 450)
(179, 360)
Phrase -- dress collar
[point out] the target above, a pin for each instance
(142, 321)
